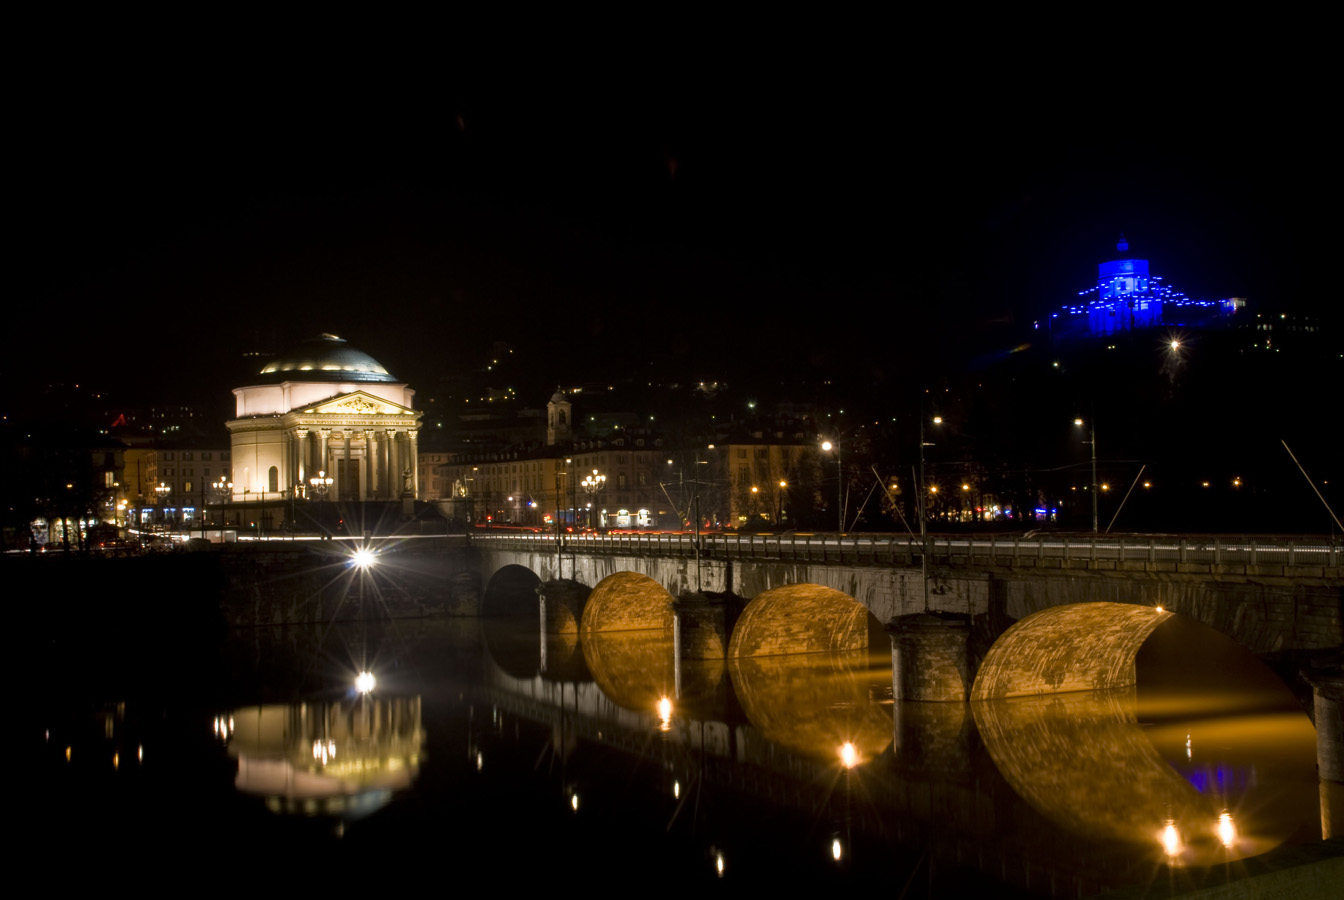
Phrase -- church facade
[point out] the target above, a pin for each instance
(324, 421)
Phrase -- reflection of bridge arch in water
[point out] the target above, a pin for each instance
(802, 618)
(1080, 647)
(1057, 707)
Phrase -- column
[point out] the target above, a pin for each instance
(390, 480)
(414, 438)
(394, 467)
(345, 470)
(324, 464)
(302, 473)
(371, 461)
(366, 483)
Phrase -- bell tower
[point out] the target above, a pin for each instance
(559, 419)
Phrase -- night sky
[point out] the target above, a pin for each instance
(796, 214)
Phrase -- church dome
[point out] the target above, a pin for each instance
(326, 358)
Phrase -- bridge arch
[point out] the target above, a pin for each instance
(626, 601)
(802, 618)
(511, 593)
(1078, 647)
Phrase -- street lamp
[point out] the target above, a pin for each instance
(828, 446)
(222, 491)
(779, 501)
(1092, 439)
(593, 484)
(162, 490)
(923, 510)
(320, 484)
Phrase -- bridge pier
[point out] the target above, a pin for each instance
(929, 659)
(561, 606)
(1327, 684)
(700, 626)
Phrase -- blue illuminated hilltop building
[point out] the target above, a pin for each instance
(1129, 298)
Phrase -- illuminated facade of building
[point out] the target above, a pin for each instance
(325, 407)
(1129, 297)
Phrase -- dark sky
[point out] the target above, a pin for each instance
(170, 217)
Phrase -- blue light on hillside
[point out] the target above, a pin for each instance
(1128, 297)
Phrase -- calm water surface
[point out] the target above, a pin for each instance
(486, 755)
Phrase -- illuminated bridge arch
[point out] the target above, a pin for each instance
(802, 618)
(1079, 647)
(626, 601)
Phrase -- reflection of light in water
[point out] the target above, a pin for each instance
(849, 755)
(574, 802)
(480, 761)
(116, 760)
(664, 714)
(140, 753)
(1187, 746)
(324, 751)
(676, 790)
(67, 754)
(836, 849)
(364, 682)
(1227, 830)
(1171, 840)
(718, 863)
(223, 727)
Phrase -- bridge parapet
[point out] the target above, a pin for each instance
(1251, 555)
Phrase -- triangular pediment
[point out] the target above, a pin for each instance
(357, 403)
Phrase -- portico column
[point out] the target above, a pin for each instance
(301, 468)
(371, 451)
(366, 487)
(324, 464)
(345, 470)
(389, 476)
(394, 466)
(414, 438)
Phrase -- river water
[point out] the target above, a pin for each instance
(486, 758)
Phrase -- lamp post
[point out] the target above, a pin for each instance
(923, 511)
(593, 484)
(828, 446)
(779, 502)
(1092, 439)
(222, 491)
(162, 491)
(320, 484)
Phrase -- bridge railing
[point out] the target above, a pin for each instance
(878, 549)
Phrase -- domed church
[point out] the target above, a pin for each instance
(325, 410)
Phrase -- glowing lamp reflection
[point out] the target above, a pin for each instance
(1227, 829)
(664, 714)
(849, 755)
(836, 850)
(1171, 840)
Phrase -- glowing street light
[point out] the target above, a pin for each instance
(594, 484)
(1092, 439)
(828, 446)
(365, 682)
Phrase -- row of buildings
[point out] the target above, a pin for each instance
(325, 429)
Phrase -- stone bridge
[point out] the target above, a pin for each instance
(974, 618)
